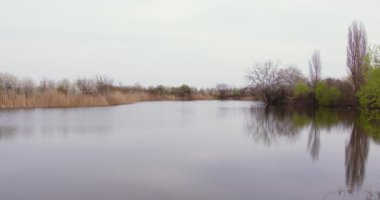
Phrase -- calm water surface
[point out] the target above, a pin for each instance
(187, 151)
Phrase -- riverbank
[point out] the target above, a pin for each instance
(54, 99)
(59, 100)
(101, 91)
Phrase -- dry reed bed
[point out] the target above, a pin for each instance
(55, 99)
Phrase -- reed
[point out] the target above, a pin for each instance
(98, 91)
(56, 99)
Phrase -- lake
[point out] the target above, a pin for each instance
(188, 150)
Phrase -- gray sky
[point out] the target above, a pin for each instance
(198, 42)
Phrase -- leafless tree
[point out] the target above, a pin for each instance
(47, 85)
(265, 81)
(222, 90)
(356, 53)
(27, 86)
(87, 86)
(103, 83)
(290, 76)
(315, 66)
(8, 82)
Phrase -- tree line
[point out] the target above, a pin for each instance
(269, 81)
(10, 84)
(275, 85)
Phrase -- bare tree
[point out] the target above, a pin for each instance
(27, 86)
(222, 90)
(265, 81)
(8, 82)
(290, 76)
(87, 86)
(356, 53)
(103, 83)
(315, 66)
(47, 85)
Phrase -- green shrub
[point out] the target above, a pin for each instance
(301, 89)
(184, 91)
(159, 90)
(326, 95)
(369, 93)
(346, 90)
(237, 93)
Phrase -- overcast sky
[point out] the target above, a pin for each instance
(170, 42)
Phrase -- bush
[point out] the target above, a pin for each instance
(47, 85)
(8, 82)
(27, 86)
(222, 91)
(159, 90)
(369, 93)
(238, 93)
(104, 84)
(347, 92)
(66, 87)
(87, 86)
(326, 95)
(184, 91)
(301, 89)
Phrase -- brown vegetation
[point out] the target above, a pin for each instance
(100, 91)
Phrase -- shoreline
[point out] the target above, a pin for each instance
(64, 101)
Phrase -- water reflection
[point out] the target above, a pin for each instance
(356, 158)
(52, 122)
(314, 141)
(146, 151)
(268, 125)
(7, 132)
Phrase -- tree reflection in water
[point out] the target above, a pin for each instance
(269, 124)
(356, 158)
(324, 119)
(7, 132)
(314, 142)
